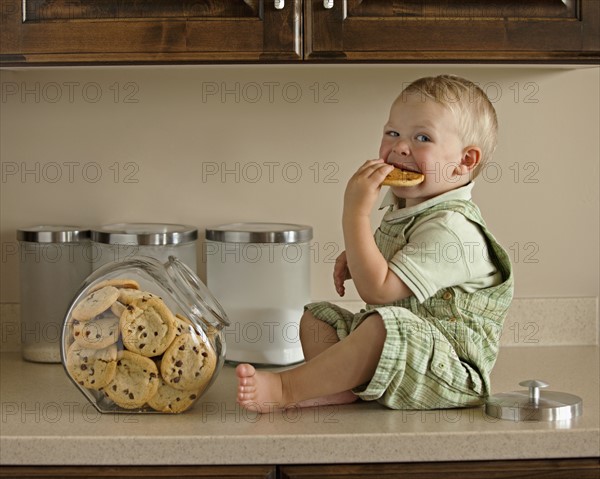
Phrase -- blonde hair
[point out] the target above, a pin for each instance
(475, 114)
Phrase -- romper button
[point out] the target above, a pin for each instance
(447, 295)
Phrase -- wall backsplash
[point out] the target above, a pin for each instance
(204, 145)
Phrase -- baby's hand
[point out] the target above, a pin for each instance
(341, 273)
(363, 187)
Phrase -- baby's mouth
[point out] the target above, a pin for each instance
(405, 167)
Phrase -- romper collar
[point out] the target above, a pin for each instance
(399, 211)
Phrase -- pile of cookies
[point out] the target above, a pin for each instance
(129, 345)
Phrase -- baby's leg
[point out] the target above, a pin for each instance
(315, 335)
(337, 369)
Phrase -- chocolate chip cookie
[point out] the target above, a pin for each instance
(97, 333)
(168, 399)
(95, 303)
(92, 368)
(135, 381)
(147, 326)
(189, 363)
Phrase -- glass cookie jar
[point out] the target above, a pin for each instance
(143, 336)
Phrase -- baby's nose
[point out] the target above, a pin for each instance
(401, 148)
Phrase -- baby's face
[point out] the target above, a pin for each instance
(422, 136)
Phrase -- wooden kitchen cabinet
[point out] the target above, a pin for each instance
(451, 31)
(149, 31)
(526, 469)
(588, 468)
(142, 472)
(38, 32)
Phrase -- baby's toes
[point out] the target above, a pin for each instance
(245, 396)
(244, 371)
(247, 389)
(246, 382)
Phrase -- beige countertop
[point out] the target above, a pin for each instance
(46, 420)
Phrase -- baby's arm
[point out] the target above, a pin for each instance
(374, 281)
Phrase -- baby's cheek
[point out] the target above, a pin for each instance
(384, 151)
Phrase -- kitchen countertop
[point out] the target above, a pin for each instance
(47, 421)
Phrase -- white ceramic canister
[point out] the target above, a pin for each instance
(124, 241)
(54, 262)
(260, 273)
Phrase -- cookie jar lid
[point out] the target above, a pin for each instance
(152, 234)
(53, 234)
(197, 295)
(260, 233)
(533, 404)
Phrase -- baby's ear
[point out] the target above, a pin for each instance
(470, 159)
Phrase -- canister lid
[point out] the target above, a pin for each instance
(53, 234)
(534, 404)
(153, 234)
(259, 233)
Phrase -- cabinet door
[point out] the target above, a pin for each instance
(587, 468)
(138, 31)
(468, 30)
(146, 472)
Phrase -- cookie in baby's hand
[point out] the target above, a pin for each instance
(399, 177)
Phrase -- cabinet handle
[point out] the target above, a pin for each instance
(279, 4)
(328, 4)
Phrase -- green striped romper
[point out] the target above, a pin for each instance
(438, 353)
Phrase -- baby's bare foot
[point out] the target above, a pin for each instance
(260, 391)
(264, 391)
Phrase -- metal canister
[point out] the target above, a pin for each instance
(123, 241)
(54, 261)
(260, 273)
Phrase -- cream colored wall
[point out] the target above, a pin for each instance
(205, 145)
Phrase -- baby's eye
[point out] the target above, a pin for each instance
(423, 138)
(392, 133)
